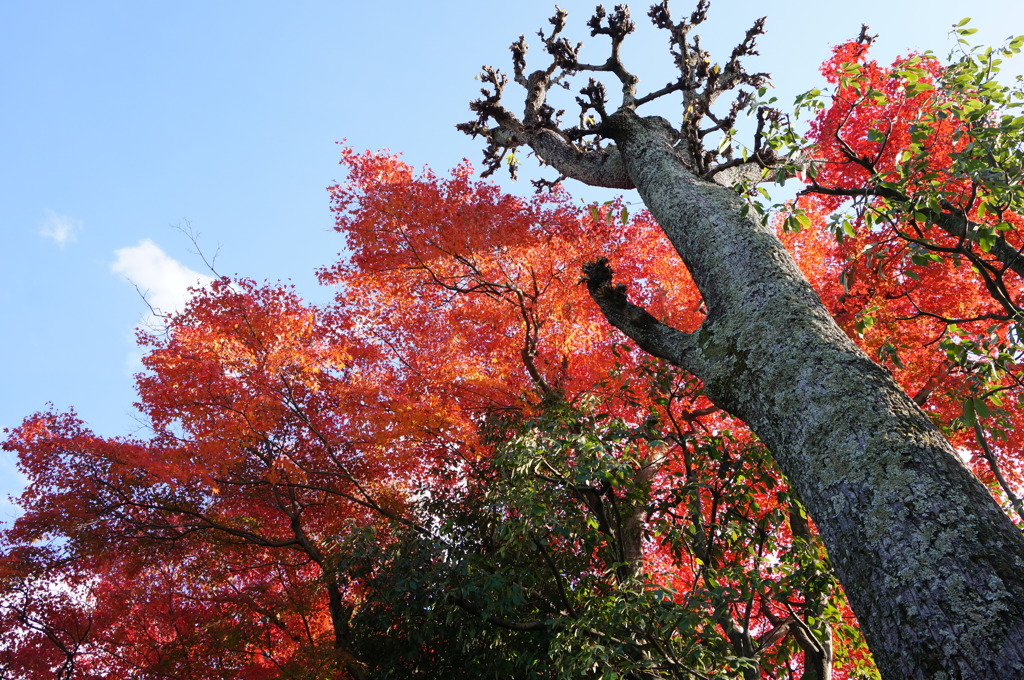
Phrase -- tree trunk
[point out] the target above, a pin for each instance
(932, 566)
(341, 613)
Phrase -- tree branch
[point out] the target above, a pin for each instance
(532, 625)
(653, 336)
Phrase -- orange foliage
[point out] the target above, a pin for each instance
(279, 428)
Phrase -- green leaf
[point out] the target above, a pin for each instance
(986, 242)
(864, 323)
(968, 416)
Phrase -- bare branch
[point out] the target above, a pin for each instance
(577, 152)
(863, 38)
(651, 335)
(993, 464)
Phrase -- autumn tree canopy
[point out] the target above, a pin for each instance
(460, 469)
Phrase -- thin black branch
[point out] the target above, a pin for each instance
(993, 464)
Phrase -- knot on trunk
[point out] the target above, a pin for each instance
(598, 277)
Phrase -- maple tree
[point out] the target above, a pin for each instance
(457, 469)
(454, 467)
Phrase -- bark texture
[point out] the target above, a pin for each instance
(932, 566)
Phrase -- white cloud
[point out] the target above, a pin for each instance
(61, 229)
(162, 280)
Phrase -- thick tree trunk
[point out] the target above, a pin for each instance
(933, 568)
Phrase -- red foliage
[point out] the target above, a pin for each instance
(936, 307)
(279, 428)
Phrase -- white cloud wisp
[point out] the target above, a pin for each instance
(162, 280)
(61, 229)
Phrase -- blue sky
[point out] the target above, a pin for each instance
(121, 120)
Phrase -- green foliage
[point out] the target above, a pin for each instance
(523, 571)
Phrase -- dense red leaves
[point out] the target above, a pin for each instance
(478, 292)
(277, 427)
(873, 115)
(204, 550)
(223, 516)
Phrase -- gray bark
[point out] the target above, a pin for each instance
(932, 567)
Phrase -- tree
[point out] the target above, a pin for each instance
(932, 566)
(220, 513)
(454, 469)
(556, 513)
(457, 469)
